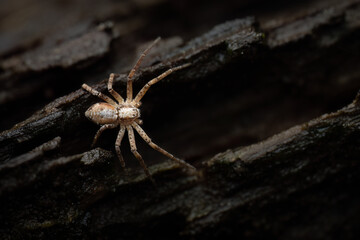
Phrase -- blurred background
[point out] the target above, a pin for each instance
(258, 68)
(305, 64)
(31, 30)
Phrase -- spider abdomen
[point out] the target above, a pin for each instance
(102, 113)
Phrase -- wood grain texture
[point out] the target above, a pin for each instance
(268, 112)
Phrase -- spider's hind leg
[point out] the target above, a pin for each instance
(98, 94)
(101, 130)
(112, 91)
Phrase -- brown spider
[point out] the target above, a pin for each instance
(126, 113)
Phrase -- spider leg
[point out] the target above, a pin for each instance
(159, 149)
(135, 152)
(117, 145)
(129, 89)
(157, 79)
(99, 94)
(112, 91)
(99, 132)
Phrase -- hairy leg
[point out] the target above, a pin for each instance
(118, 143)
(99, 132)
(99, 94)
(136, 154)
(159, 149)
(146, 87)
(112, 91)
(129, 89)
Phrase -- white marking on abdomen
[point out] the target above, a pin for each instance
(107, 113)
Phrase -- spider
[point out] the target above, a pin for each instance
(126, 113)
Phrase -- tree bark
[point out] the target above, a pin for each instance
(260, 113)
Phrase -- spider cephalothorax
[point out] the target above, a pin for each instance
(126, 113)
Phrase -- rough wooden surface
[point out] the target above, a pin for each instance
(259, 75)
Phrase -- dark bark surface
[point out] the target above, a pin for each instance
(260, 113)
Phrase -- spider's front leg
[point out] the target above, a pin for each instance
(129, 88)
(148, 140)
(136, 154)
(146, 87)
